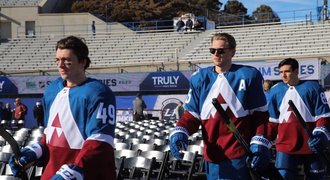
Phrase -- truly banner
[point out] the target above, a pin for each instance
(7, 86)
(164, 81)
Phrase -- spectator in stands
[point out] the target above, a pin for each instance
(138, 107)
(20, 110)
(7, 112)
(179, 25)
(80, 114)
(38, 113)
(197, 25)
(294, 147)
(267, 85)
(189, 24)
(239, 89)
(93, 28)
(179, 110)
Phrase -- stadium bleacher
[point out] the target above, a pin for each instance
(120, 49)
(275, 41)
(109, 50)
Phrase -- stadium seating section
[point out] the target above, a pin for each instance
(138, 49)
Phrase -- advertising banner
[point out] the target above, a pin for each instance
(167, 104)
(118, 82)
(7, 86)
(165, 81)
(309, 69)
(161, 106)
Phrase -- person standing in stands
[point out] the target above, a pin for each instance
(20, 110)
(293, 145)
(93, 28)
(238, 89)
(80, 119)
(38, 113)
(197, 25)
(138, 107)
(189, 24)
(179, 25)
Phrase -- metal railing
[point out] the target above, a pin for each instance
(303, 15)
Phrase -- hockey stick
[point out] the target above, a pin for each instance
(232, 127)
(237, 134)
(15, 147)
(308, 131)
(254, 175)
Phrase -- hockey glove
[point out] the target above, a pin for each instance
(178, 141)
(28, 156)
(320, 140)
(261, 153)
(69, 172)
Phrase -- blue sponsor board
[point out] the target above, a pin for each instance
(7, 87)
(165, 81)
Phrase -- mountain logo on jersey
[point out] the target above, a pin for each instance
(224, 105)
(289, 116)
(222, 102)
(57, 136)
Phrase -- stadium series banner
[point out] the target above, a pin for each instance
(309, 69)
(154, 81)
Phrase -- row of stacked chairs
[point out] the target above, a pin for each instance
(142, 152)
(23, 137)
(12, 124)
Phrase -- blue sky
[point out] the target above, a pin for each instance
(286, 9)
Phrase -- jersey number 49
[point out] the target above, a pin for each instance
(107, 114)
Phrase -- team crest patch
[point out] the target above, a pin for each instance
(168, 108)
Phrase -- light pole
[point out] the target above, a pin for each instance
(325, 10)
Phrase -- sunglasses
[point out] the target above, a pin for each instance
(218, 50)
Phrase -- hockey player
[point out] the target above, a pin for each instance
(239, 89)
(293, 145)
(80, 121)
